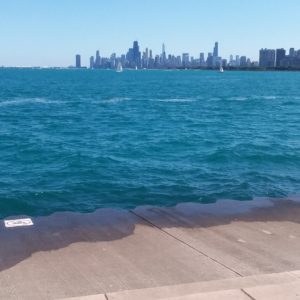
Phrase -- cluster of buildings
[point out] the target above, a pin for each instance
(279, 58)
(136, 59)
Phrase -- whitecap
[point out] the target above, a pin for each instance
(268, 97)
(238, 98)
(113, 100)
(24, 101)
(214, 99)
(175, 100)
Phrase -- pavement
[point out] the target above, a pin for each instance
(226, 250)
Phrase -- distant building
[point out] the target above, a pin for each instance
(237, 61)
(292, 52)
(97, 63)
(209, 60)
(216, 60)
(267, 58)
(136, 55)
(163, 55)
(202, 60)
(216, 50)
(185, 60)
(92, 62)
(78, 61)
(280, 55)
(243, 61)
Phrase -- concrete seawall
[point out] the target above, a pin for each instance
(109, 251)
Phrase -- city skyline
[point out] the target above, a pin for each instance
(136, 58)
(46, 33)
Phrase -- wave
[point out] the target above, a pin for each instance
(255, 97)
(175, 100)
(267, 97)
(24, 101)
(238, 98)
(114, 100)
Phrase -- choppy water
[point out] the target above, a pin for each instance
(81, 139)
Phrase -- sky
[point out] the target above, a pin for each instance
(52, 32)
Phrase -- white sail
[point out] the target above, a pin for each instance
(119, 67)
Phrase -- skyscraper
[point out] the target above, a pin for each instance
(280, 55)
(292, 52)
(136, 54)
(202, 60)
(243, 61)
(98, 60)
(237, 61)
(209, 60)
(216, 60)
(216, 50)
(185, 60)
(92, 62)
(78, 61)
(267, 58)
(163, 54)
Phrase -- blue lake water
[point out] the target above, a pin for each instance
(78, 140)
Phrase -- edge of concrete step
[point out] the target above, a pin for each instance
(198, 288)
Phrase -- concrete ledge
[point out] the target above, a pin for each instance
(217, 289)
(288, 291)
(224, 295)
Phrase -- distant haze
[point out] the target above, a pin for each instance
(50, 33)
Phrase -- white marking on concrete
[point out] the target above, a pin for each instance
(242, 241)
(267, 232)
(18, 223)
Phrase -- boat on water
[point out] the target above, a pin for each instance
(221, 70)
(119, 68)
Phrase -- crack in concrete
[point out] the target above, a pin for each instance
(248, 295)
(186, 244)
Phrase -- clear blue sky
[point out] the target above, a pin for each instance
(51, 32)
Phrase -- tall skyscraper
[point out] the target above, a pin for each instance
(280, 55)
(163, 54)
(215, 57)
(202, 60)
(136, 54)
(92, 62)
(98, 60)
(209, 60)
(216, 50)
(243, 61)
(237, 61)
(267, 58)
(78, 61)
(163, 49)
(185, 60)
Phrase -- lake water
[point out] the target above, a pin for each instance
(78, 140)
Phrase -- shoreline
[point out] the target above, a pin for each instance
(219, 206)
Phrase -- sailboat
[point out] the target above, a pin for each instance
(119, 68)
(221, 69)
